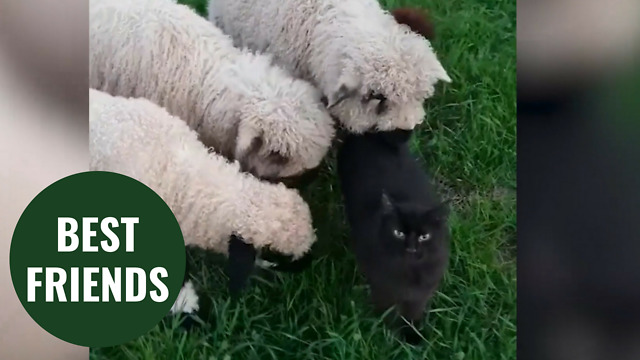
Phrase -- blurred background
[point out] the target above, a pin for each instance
(579, 179)
(43, 137)
(578, 166)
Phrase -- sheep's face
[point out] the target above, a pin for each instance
(256, 159)
(279, 219)
(384, 87)
(295, 234)
(372, 110)
(284, 137)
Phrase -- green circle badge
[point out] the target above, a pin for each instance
(97, 259)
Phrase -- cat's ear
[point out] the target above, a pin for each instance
(387, 206)
(440, 213)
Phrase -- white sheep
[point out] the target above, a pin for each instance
(374, 72)
(238, 102)
(209, 195)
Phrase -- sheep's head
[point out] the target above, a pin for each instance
(277, 220)
(283, 130)
(284, 133)
(383, 84)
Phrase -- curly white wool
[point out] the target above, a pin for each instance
(209, 196)
(352, 50)
(239, 103)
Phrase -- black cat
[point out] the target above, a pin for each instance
(398, 224)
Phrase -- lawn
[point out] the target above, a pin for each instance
(468, 141)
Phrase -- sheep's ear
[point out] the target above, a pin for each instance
(339, 96)
(241, 262)
(348, 86)
(249, 141)
(440, 73)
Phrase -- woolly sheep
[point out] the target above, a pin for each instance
(239, 103)
(374, 72)
(210, 197)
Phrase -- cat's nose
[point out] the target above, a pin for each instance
(412, 250)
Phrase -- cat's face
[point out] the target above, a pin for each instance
(413, 231)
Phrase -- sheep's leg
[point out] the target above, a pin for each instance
(242, 257)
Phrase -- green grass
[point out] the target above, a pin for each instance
(468, 142)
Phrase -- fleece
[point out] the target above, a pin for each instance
(209, 195)
(374, 72)
(238, 101)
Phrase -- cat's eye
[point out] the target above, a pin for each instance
(399, 234)
(424, 237)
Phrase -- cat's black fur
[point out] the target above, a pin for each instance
(385, 189)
